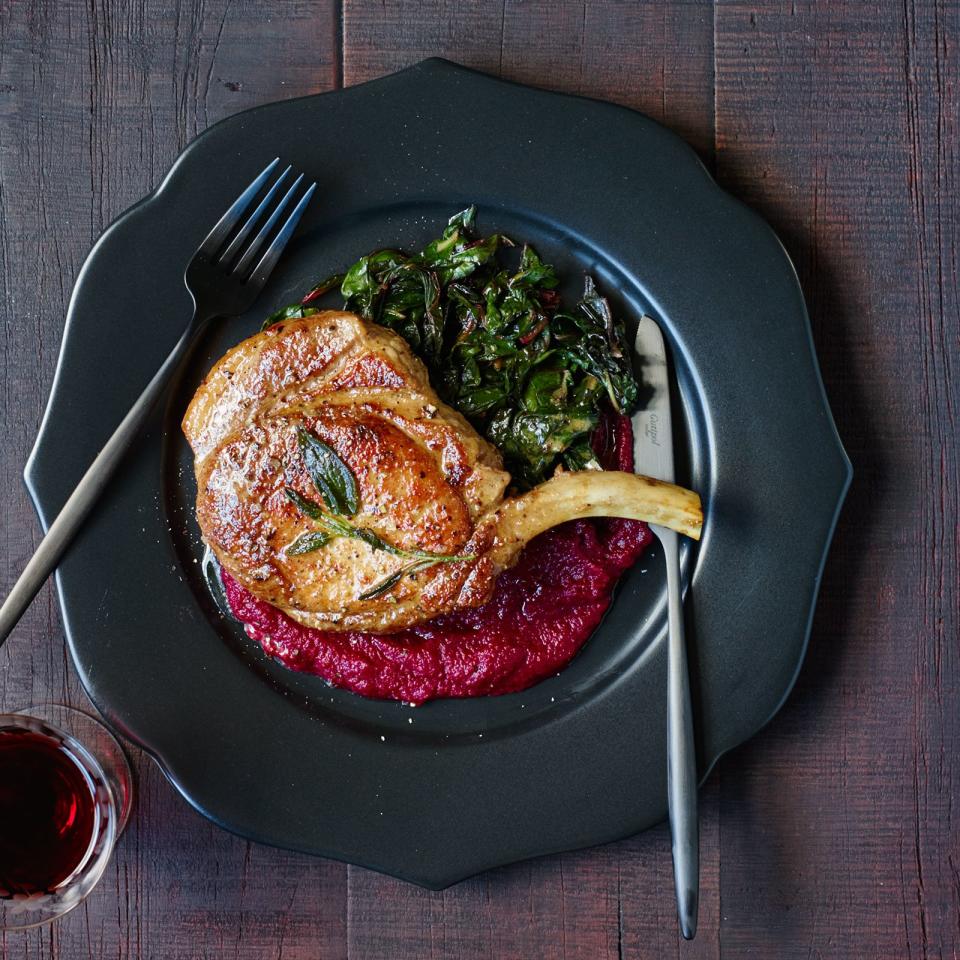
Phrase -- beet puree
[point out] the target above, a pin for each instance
(541, 614)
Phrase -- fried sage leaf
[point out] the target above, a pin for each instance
(330, 475)
(338, 526)
(388, 583)
(308, 542)
(309, 508)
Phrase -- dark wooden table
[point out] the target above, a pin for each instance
(833, 833)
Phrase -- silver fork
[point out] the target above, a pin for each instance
(224, 280)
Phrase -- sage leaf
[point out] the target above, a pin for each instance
(330, 475)
(308, 542)
(305, 505)
(388, 583)
(377, 542)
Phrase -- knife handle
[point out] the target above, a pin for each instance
(681, 750)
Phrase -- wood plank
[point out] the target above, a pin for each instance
(614, 901)
(653, 56)
(96, 99)
(838, 122)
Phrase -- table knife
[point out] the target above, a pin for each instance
(653, 456)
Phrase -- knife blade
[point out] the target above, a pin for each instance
(653, 456)
(652, 426)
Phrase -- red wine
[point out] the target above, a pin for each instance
(47, 813)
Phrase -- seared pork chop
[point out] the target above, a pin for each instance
(427, 482)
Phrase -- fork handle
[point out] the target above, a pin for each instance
(681, 749)
(69, 520)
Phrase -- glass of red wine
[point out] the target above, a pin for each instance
(65, 795)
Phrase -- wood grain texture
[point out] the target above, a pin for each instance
(96, 100)
(653, 56)
(838, 122)
(832, 834)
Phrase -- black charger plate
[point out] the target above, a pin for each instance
(437, 793)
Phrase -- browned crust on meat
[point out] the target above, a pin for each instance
(425, 476)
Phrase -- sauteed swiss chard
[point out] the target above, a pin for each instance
(500, 346)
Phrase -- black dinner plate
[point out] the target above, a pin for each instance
(437, 793)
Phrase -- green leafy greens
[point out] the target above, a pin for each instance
(528, 374)
(338, 488)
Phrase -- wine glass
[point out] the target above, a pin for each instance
(65, 796)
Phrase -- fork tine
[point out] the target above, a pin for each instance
(237, 242)
(269, 260)
(243, 265)
(214, 239)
